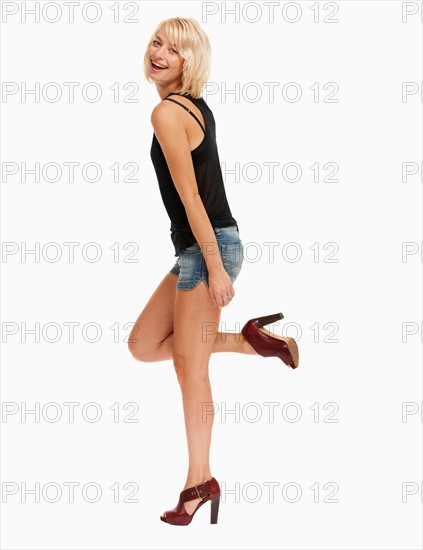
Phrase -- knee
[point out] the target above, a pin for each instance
(140, 352)
(135, 351)
(189, 370)
(141, 348)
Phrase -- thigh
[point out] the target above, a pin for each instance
(155, 322)
(196, 322)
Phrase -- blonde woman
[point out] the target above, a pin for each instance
(181, 318)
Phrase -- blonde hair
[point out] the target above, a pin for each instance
(194, 47)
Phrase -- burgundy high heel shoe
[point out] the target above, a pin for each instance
(269, 345)
(209, 490)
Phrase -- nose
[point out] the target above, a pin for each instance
(160, 51)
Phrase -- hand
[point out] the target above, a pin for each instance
(220, 285)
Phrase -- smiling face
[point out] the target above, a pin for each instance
(177, 57)
(165, 62)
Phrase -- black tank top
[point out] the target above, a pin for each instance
(208, 175)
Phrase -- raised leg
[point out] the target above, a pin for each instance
(151, 337)
(155, 323)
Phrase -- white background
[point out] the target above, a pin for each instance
(367, 369)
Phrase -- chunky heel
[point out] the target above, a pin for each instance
(267, 319)
(214, 509)
(209, 490)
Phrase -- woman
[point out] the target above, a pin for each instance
(181, 318)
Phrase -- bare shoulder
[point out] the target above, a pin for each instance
(170, 130)
(164, 116)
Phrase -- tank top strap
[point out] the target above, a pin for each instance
(186, 108)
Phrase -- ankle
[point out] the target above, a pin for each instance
(246, 346)
(197, 480)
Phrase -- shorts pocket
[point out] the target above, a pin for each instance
(232, 258)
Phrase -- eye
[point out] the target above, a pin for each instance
(174, 51)
(155, 42)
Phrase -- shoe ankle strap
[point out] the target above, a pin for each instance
(201, 490)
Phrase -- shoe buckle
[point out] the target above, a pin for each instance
(198, 492)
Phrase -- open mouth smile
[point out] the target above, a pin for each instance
(157, 67)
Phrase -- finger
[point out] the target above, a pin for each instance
(219, 300)
(228, 299)
(213, 297)
(230, 294)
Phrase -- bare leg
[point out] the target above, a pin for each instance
(191, 354)
(151, 338)
(193, 315)
(155, 322)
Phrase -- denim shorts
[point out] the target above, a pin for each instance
(191, 266)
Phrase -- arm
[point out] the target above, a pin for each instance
(171, 133)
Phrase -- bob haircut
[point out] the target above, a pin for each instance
(193, 46)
